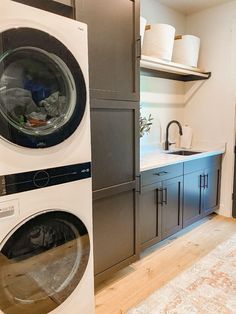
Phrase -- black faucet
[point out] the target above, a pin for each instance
(167, 143)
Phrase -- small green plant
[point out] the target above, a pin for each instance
(145, 124)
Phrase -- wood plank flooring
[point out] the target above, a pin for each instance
(162, 263)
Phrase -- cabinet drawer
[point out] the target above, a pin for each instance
(202, 163)
(162, 173)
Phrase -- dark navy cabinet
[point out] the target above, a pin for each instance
(149, 216)
(115, 166)
(160, 210)
(114, 47)
(201, 188)
(212, 190)
(114, 57)
(192, 197)
(175, 196)
(171, 206)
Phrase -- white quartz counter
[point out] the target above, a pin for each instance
(156, 159)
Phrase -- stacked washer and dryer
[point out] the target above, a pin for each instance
(46, 250)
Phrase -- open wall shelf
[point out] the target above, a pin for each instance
(151, 66)
(69, 3)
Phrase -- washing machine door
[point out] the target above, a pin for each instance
(42, 89)
(42, 263)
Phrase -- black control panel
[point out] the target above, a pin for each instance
(26, 181)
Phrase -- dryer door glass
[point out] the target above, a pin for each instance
(42, 263)
(36, 90)
(42, 89)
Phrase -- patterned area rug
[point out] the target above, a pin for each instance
(209, 286)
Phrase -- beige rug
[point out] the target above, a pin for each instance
(209, 286)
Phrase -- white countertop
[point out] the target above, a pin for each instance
(156, 159)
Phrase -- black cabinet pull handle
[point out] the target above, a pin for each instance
(202, 181)
(160, 196)
(136, 64)
(138, 184)
(166, 196)
(138, 48)
(161, 173)
(206, 181)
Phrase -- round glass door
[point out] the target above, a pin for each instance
(42, 89)
(42, 263)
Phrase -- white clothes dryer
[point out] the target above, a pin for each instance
(44, 100)
(46, 250)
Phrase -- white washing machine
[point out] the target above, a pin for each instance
(46, 260)
(44, 101)
(46, 252)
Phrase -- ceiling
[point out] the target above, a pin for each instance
(191, 6)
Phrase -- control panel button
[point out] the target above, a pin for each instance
(41, 179)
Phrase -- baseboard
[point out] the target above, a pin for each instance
(223, 211)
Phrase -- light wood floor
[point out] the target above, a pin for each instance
(162, 263)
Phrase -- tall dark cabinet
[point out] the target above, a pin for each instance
(114, 54)
(114, 47)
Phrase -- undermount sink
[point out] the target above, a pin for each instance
(184, 153)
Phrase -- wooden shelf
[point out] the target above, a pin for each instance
(68, 3)
(151, 66)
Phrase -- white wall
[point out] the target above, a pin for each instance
(211, 110)
(156, 12)
(161, 97)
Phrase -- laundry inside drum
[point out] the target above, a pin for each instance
(36, 91)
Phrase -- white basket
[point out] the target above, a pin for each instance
(159, 41)
(186, 50)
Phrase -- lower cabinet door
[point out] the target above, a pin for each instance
(171, 208)
(113, 157)
(149, 217)
(193, 183)
(211, 191)
(114, 230)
